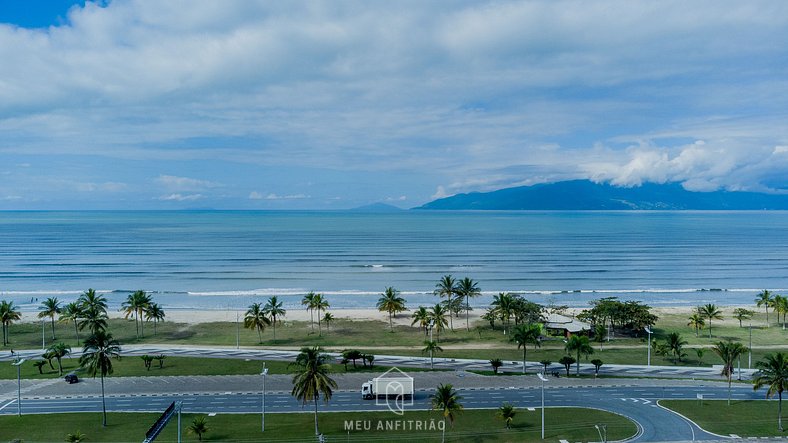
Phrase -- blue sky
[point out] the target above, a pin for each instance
(292, 105)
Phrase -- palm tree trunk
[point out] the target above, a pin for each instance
(53, 326)
(259, 334)
(780, 411)
(76, 330)
(709, 328)
(274, 328)
(142, 326)
(767, 316)
(319, 327)
(317, 431)
(524, 353)
(103, 403)
(312, 318)
(59, 366)
(730, 372)
(467, 313)
(136, 325)
(391, 325)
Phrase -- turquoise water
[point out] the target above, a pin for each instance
(219, 259)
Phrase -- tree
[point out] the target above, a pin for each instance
(597, 364)
(567, 361)
(58, 351)
(438, 317)
(697, 323)
(780, 305)
(97, 354)
(40, 366)
(320, 304)
(309, 302)
(773, 372)
(198, 427)
(273, 309)
(369, 358)
(448, 403)
(580, 345)
(49, 308)
(430, 347)
(94, 311)
(147, 360)
(72, 312)
(255, 319)
(676, 344)
(503, 305)
(506, 413)
(699, 352)
(742, 314)
(76, 437)
(599, 334)
(524, 335)
(391, 302)
(468, 288)
(135, 304)
(352, 354)
(765, 299)
(710, 312)
(496, 363)
(327, 319)
(728, 351)
(545, 363)
(422, 317)
(90, 300)
(447, 287)
(8, 314)
(156, 313)
(312, 379)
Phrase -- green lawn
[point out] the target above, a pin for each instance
(471, 426)
(750, 418)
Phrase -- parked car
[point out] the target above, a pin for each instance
(72, 378)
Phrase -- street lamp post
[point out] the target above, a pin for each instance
(264, 374)
(544, 379)
(647, 329)
(18, 363)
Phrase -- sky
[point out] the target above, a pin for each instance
(329, 105)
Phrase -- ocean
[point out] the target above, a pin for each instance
(229, 259)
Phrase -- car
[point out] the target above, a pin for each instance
(72, 378)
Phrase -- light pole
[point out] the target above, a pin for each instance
(544, 379)
(264, 373)
(749, 356)
(647, 329)
(18, 363)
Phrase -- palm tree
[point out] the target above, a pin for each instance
(447, 287)
(742, 314)
(524, 335)
(728, 351)
(599, 334)
(309, 302)
(765, 299)
(327, 319)
(504, 304)
(447, 402)
(320, 304)
(156, 313)
(780, 305)
(506, 413)
(72, 312)
(496, 363)
(76, 437)
(468, 288)
(8, 314)
(94, 319)
(273, 309)
(49, 308)
(312, 378)
(431, 347)
(711, 312)
(580, 345)
(773, 372)
(255, 319)
(199, 426)
(135, 304)
(391, 302)
(90, 300)
(59, 350)
(676, 344)
(97, 354)
(438, 318)
(422, 317)
(697, 323)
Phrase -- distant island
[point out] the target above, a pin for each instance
(587, 195)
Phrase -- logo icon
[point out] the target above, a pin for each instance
(393, 389)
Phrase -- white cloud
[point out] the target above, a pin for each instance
(254, 195)
(401, 198)
(273, 196)
(440, 192)
(181, 197)
(184, 183)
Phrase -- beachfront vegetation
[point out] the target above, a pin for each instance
(97, 355)
(710, 312)
(580, 345)
(773, 374)
(8, 314)
(728, 352)
(391, 302)
(50, 308)
(446, 401)
(312, 380)
(527, 334)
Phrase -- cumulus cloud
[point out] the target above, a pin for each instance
(181, 197)
(273, 196)
(184, 183)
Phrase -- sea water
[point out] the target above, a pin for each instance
(228, 259)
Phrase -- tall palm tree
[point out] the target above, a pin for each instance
(728, 351)
(8, 314)
(438, 317)
(676, 344)
(447, 287)
(312, 379)
(320, 305)
(391, 302)
(72, 312)
(524, 335)
(468, 288)
(94, 319)
(780, 305)
(90, 300)
(765, 299)
(50, 308)
(773, 372)
(97, 354)
(309, 302)
(580, 345)
(697, 323)
(327, 319)
(506, 413)
(448, 403)
(199, 426)
(431, 347)
(135, 304)
(273, 309)
(59, 350)
(156, 313)
(422, 317)
(711, 312)
(255, 319)
(504, 304)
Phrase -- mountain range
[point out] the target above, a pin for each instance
(587, 195)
